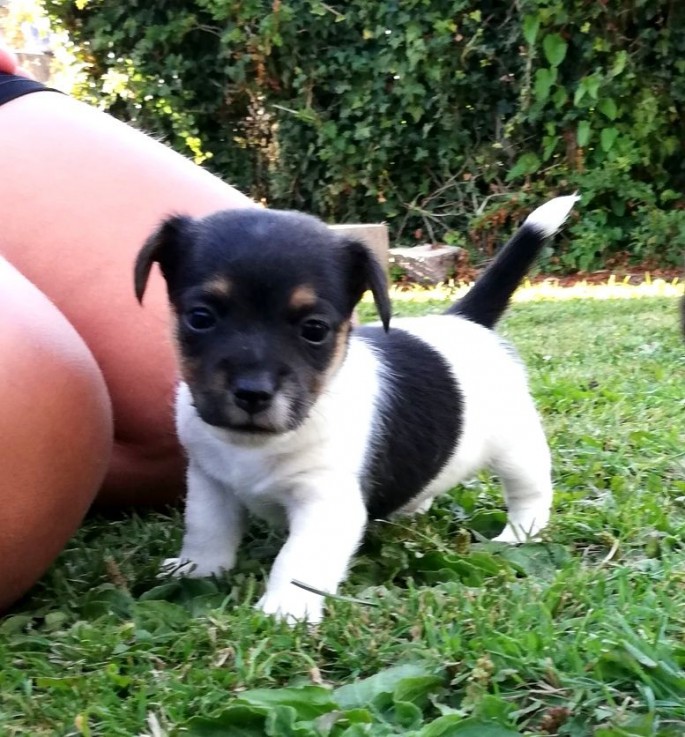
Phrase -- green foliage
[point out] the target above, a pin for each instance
(435, 115)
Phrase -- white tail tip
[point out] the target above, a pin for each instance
(548, 218)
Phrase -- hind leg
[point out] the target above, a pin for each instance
(524, 467)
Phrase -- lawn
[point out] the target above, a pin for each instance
(583, 634)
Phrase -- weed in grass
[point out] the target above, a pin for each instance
(581, 635)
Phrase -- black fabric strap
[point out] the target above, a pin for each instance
(12, 86)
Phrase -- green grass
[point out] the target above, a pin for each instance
(581, 635)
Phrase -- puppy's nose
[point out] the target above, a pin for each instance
(253, 394)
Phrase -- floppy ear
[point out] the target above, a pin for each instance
(162, 247)
(364, 272)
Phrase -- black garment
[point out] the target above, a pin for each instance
(12, 86)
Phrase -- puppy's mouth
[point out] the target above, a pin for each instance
(219, 412)
(251, 428)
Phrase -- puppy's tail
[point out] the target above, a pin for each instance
(487, 300)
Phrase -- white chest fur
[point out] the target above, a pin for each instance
(265, 472)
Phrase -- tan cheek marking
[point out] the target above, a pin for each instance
(339, 353)
(340, 348)
(302, 296)
(188, 367)
(219, 286)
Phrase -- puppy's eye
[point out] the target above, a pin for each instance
(200, 319)
(314, 331)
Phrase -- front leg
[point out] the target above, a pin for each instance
(326, 524)
(213, 529)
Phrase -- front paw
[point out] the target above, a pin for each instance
(292, 604)
(524, 526)
(514, 535)
(186, 568)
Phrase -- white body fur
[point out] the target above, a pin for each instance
(309, 478)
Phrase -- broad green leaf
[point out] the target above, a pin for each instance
(583, 133)
(236, 721)
(406, 714)
(607, 138)
(531, 26)
(359, 730)
(587, 86)
(416, 111)
(536, 559)
(106, 599)
(472, 569)
(325, 724)
(593, 83)
(194, 595)
(550, 143)
(544, 79)
(416, 690)
(619, 63)
(607, 106)
(280, 722)
(526, 164)
(560, 97)
(14, 624)
(454, 725)
(640, 726)
(555, 48)
(308, 702)
(361, 693)
(493, 708)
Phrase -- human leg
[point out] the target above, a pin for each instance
(79, 193)
(55, 432)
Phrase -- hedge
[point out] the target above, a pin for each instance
(446, 118)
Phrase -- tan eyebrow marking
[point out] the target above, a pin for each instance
(302, 296)
(218, 286)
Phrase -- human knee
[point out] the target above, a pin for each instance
(55, 433)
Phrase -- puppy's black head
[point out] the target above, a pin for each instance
(263, 301)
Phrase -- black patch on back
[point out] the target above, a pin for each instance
(420, 422)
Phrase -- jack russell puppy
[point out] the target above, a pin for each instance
(288, 412)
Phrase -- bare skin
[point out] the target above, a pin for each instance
(86, 375)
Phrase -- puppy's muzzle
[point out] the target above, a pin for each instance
(254, 394)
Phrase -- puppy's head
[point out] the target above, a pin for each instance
(263, 301)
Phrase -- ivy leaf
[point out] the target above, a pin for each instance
(607, 106)
(587, 86)
(531, 26)
(544, 79)
(583, 133)
(559, 97)
(527, 164)
(607, 138)
(555, 49)
(619, 63)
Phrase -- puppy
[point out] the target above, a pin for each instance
(287, 412)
